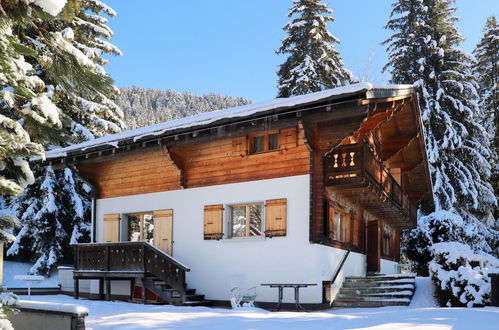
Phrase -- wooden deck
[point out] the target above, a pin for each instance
(128, 261)
(354, 172)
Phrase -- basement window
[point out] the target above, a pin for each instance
(246, 220)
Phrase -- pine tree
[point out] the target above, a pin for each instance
(313, 64)
(68, 61)
(424, 51)
(487, 73)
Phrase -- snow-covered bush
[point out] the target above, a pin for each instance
(440, 226)
(8, 302)
(461, 276)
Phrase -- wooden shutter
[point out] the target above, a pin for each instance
(356, 222)
(288, 138)
(213, 221)
(112, 227)
(275, 220)
(331, 232)
(239, 146)
(348, 228)
(163, 230)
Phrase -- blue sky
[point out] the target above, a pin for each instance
(227, 46)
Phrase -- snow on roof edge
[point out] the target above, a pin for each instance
(209, 117)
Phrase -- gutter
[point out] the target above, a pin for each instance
(93, 196)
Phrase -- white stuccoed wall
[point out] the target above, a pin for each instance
(388, 266)
(213, 264)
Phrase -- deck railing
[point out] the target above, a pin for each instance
(131, 256)
(351, 161)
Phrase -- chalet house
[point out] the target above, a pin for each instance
(273, 192)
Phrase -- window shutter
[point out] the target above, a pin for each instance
(348, 228)
(288, 138)
(163, 230)
(112, 227)
(331, 222)
(239, 146)
(356, 229)
(275, 220)
(213, 224)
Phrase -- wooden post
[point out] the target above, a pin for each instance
(143, 290)
(76, 288)
(132, 287)
(108, 289)
(101, 288)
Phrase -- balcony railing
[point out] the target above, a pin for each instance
(355, 166)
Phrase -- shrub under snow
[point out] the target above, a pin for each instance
(461, 275)
(8, 303)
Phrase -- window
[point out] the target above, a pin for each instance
(140, 227)
(339, 225)
(263, 143)
(246, 220)
(387, 237)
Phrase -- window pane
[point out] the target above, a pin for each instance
(148, 228)
(337, 226)
(256, 220)
(238, 218)
(273, 141)
(258, 142)
(134, 228)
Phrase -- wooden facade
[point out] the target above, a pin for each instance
(365, 156)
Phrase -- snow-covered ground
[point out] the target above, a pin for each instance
(422, 314)
(13, 268)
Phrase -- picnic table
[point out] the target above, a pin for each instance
(296, 286)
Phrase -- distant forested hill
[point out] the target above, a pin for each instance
(144, 107)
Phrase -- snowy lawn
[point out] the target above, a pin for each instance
(420, 315)
(13, 268)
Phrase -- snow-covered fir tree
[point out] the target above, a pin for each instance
(68, 61)
(313, 63)
(144, 107)
(487, 73)
(423, 50)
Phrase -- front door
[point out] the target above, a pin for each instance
(373, 247)
(163, 230)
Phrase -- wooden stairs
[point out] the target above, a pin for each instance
(172, 296)
(376, 291)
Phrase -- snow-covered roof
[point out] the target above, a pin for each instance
(203, 119)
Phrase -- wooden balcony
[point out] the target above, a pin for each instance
(129, 261)
(353, 172)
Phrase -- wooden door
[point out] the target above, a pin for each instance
(163, 230)
(373, 247)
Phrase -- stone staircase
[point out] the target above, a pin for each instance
(376, 291)
(172, 296)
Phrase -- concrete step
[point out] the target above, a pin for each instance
(368, 304)
(401, 285)
(381, 279)
(198, 303)
(194, 297)
(393, 295)
(377, 289)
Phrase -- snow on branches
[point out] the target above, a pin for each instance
(313, 63)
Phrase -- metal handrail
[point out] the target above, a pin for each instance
(340, 267)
